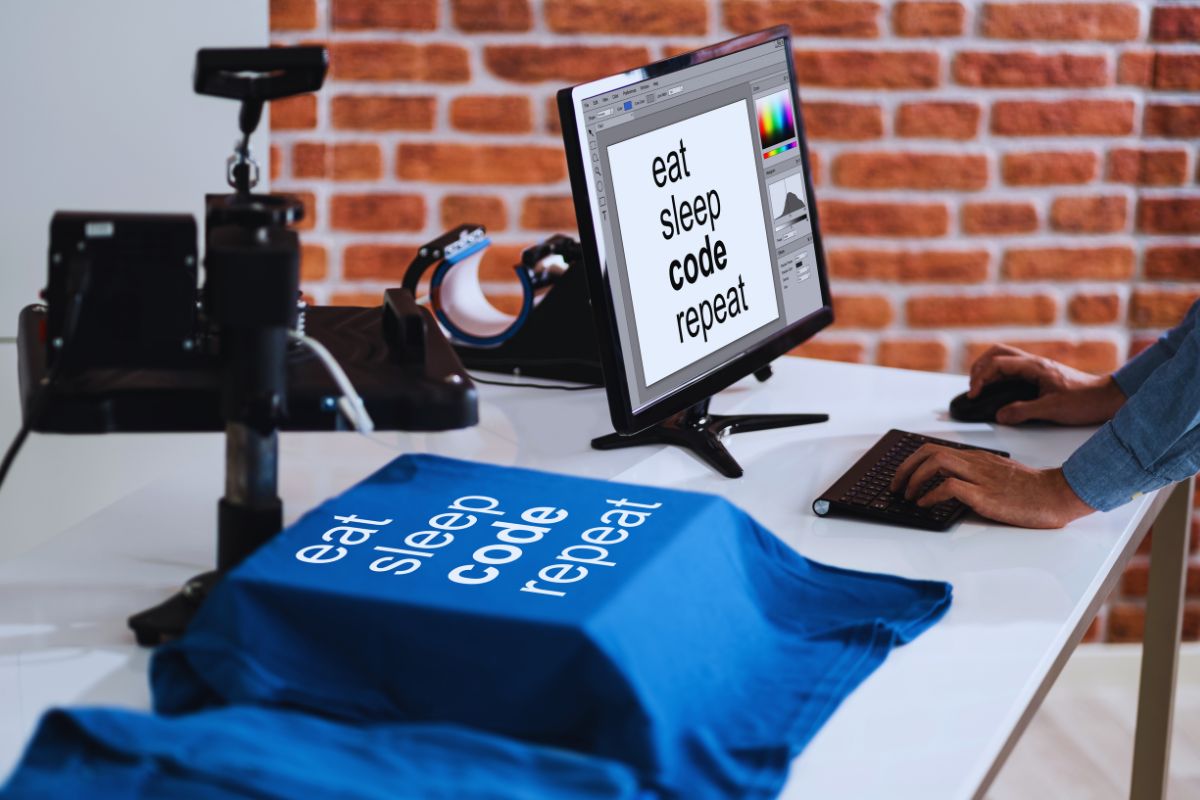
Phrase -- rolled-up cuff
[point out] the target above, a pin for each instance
(1132, 375)
(1105, 474)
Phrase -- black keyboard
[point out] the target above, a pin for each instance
(863, 490)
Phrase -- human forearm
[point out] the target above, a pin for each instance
(1152, 440)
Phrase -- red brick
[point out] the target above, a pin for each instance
(309, 201)
(1135, 581)
(672, 50)
(314, 262)
(1136, 68)
(943, 311)
(884, 219)
(293, 15)
(928, 19)
(807, 17)
(356, 299)
(377, 261)
(357, 161)
(398, 61)
(462, 163)
(486, 210)
(1063, 118)
(363, 112)
(910, 171)
(498, 262)
(1169, 214)
(998, 218)
(409, 15)
(1107, 22)
(1068, 264)
(1126, 623)
(1047, 168)
(294, 113)
(1089, 214)
(925, 354)
(1177, 72)
(842, 121)
(1147, 167)
(1188, 632)
(663, 18)
(553, 123)
(308, 160)
(938, 120)
(1028, 69)
(862, 311)
(826, 350)
(1136, 577)
(492, 113)
(1172, 120)
(1093, 356)
(1173, 263)
(548, 213)
(931, 266)
(867, 69)
(1175, 23)
(275, 160)
(814, 167)
(344, 161)
(377, 212)
(1159, 308)
(1136, 345)
(560, 63)
(475, 16)
(1089, 308)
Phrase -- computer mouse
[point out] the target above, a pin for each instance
(991, 398)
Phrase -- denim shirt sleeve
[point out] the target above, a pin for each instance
(1155, 438)
(1131, 376)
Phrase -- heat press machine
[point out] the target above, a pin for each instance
(128, 341)
(550, 336)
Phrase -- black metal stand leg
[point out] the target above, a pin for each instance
(698, 431)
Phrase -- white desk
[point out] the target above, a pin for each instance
(934, 722)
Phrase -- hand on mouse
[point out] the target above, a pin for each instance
(1066, 395)
(993, 486)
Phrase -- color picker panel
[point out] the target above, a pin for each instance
(775, 122)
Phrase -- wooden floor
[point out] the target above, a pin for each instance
(1080, 743)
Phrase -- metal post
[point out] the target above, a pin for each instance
(251, 512)
(1160, 645)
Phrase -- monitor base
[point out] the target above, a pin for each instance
(696, 430)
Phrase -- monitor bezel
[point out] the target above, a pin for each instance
(625, 418)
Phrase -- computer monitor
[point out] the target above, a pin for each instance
(693, 194)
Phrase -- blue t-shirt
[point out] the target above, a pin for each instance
(661, 629)
(248, 752)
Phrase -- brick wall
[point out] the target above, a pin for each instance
(987, 171)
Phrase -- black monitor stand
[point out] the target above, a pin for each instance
(696, 430)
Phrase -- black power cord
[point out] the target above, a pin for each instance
(545, 362)
(10, 455)
(562, 387)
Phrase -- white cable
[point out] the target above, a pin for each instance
(350, 403)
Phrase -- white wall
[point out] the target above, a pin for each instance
(97, 112)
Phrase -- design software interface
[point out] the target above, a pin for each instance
(699, 192)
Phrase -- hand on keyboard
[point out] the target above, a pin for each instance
(994, 486)
(866, 490)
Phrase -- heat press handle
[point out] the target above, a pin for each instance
(260, 73)
(255, 75)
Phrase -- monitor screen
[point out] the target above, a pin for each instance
(696, 188)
